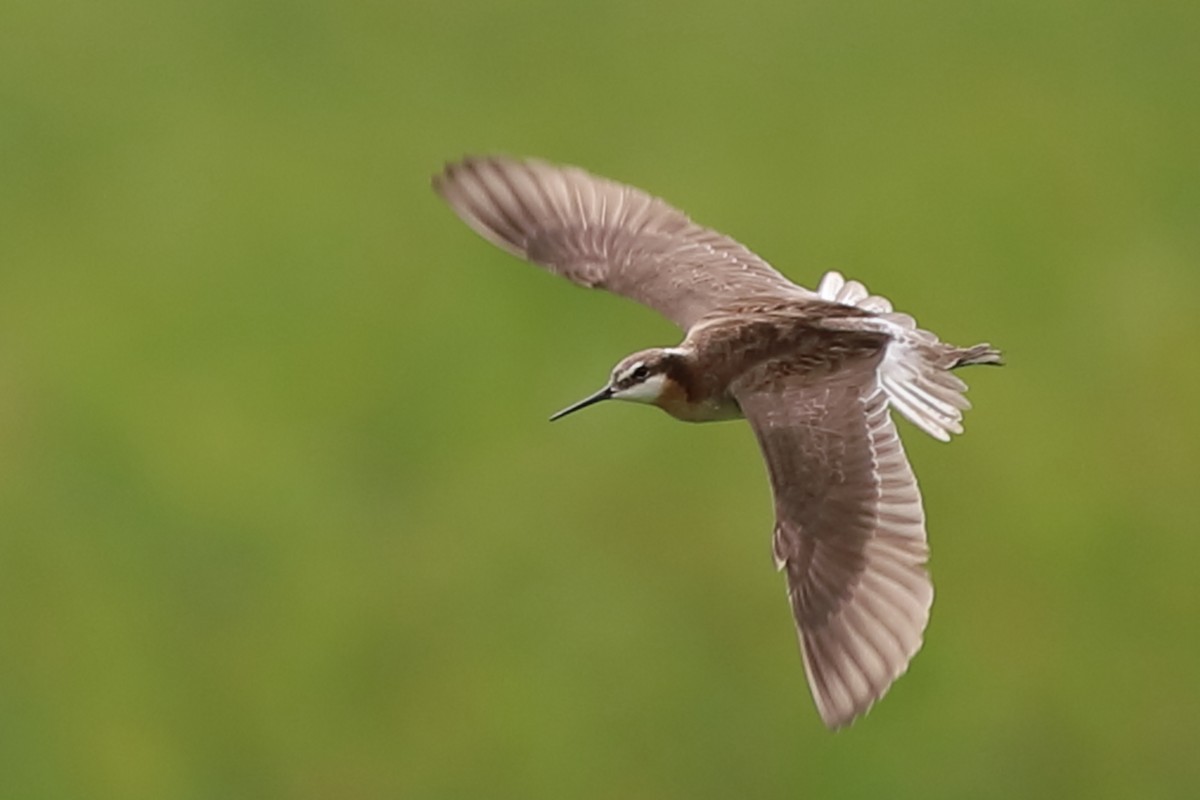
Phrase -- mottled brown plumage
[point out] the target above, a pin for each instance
(814, 373)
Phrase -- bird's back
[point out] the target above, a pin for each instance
(793, 334)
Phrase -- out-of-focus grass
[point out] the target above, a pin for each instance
(281, 513)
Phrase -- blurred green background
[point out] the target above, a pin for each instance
(281, 512)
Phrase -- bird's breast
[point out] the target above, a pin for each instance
(716, 408)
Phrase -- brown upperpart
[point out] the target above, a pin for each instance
(758, 343)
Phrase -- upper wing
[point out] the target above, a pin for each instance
(849, 531)
(599, 233)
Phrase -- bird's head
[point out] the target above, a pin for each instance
(644, 377)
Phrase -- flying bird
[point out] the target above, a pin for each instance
(815, 373)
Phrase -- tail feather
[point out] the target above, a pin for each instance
(915, 371)
(979, 354)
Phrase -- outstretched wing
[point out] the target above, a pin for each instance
(849, 531)
(603, 234)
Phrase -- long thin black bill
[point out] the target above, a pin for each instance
(603, 394)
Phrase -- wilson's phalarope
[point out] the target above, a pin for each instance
(814, 373)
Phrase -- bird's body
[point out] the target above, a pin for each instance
(814, 373)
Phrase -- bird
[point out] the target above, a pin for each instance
(815, 373)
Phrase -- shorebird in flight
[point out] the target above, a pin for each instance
(814, 373)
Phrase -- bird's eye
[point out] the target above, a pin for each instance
(640, 374)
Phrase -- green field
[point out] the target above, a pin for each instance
(281, 515)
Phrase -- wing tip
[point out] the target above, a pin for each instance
(855, 657)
